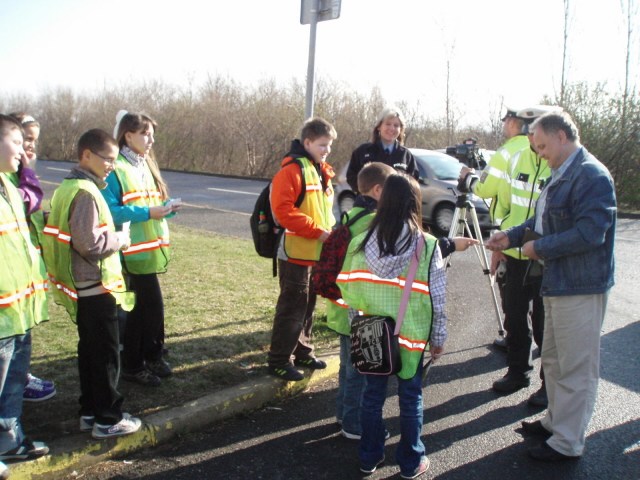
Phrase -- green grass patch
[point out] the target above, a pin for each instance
(219, 299)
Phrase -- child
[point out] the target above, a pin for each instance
(307, 227)
(385, 252)
(80, 234)
(350, 382)
(136, 193)
(36, 389)
(23, 302)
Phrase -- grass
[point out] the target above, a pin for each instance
(219, 301)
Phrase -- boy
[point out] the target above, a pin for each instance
(23, 302)
(307, 227)
(350, 382)
(80, 233)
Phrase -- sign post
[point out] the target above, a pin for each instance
(312, 12)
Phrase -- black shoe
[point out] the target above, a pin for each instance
(290, 374)
(536, 428)
(369, 470)
(27, 450)
(547, 454)
(159, 368)
(539, 398)
(511, 383)
(145, 377)
(312, 362)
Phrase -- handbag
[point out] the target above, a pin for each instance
(374, 338)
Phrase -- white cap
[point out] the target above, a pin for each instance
(119, 117)
(529, 114)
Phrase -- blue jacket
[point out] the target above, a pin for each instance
(579, 224)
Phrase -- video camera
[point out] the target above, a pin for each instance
(468, 153)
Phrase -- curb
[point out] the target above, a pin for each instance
(78, 451)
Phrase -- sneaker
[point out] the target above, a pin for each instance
(357, 436)
(370, 470)
(27, 450)
(313, 363)
(86, 423)
(34, 379)
(37, 392)
(4, 471)
(511, 383)
(159, 368)
(422, 468)
(290, 374)
(126, 426)
(145, 377)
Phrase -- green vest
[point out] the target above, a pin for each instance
(373, 295)
(318, 205)
(35, 220)
(338, 310)
(518, 195)
(149, 251)
(57, 243)
(23, 282)
(493, 175)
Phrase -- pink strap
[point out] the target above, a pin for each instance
(408, 284)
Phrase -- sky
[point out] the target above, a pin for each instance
(497, 50)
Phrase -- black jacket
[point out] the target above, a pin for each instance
(374, 152)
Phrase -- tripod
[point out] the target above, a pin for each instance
(460, 226)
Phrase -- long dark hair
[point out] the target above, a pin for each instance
(400, 204)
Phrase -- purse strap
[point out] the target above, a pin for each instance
(408, 283)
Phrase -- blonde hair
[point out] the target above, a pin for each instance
(387, 113)
(134, 122)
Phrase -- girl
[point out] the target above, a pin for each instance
(384, 251)
(136, 193)
(386, 146)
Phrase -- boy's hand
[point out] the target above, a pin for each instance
(125, 240)
(436, 352)
(324, 236)
(462, 243)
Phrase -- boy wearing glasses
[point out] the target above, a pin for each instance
(80, 233)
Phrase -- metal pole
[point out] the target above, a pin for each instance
(308, 110)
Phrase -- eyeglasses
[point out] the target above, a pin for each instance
(110, 161)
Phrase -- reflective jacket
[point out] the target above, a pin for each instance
(23, 282)
(58, 244)
(525, 177)
(493, 174)
(365, 291)
(149, 251)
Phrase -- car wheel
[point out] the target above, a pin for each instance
(443, 217)
(345, 203)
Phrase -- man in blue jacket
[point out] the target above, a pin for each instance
(574, 224)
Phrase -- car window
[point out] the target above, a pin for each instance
(444, 167)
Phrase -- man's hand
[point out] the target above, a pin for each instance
(495, 260)
(498, 242)
(464, 171)
(528, 251)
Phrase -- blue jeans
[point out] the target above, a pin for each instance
(351, 387)
(15, 357)
(410, 450)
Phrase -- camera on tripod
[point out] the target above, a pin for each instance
(468, 153)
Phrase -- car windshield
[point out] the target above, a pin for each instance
(444, 167)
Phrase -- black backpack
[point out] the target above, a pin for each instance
(265, 230)
(334, 249)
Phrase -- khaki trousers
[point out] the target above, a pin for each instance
(571, 363)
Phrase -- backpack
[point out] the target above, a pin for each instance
(334, 249)
(265, 230)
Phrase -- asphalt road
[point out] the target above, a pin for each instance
(470, 432)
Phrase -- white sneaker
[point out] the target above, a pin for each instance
(87, 422)
(126, 426)
(4, 471)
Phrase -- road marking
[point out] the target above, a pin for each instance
(213, 208)
(49, 183)
(59, 169)
(232, 191)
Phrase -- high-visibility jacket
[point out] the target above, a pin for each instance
(149, 251)
(317, 204)
(493, 174)
(525, 177)
(57, 248)
(365, 291)
(338, 310)
(35, 219)
(23, 283)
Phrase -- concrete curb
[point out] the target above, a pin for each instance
(78, 451)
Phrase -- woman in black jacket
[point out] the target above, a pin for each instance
(386, 146)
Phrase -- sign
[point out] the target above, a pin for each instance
(327, 10)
